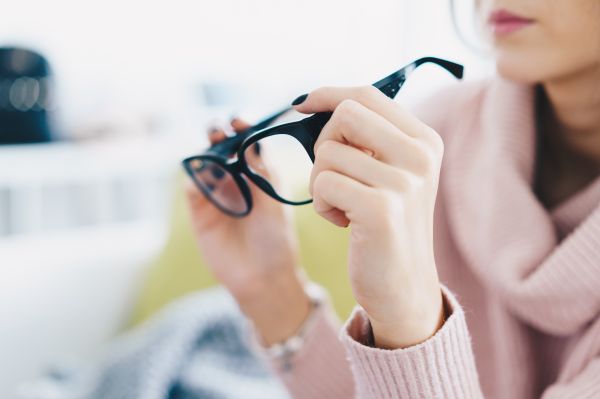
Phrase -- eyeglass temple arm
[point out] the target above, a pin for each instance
(390, 86)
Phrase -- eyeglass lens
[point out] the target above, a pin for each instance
(288, 163)
(218, 185)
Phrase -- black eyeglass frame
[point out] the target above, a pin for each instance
(306, 131)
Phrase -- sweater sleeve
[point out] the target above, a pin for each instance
(320, 368)
(441, 367)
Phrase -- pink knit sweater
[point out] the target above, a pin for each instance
(526, 322)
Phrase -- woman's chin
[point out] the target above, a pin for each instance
(516, 70)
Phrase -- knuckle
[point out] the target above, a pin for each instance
(434, 139)
(383, 200)
(407, 183)
(368, 92)
(326, 149)
(438, 145)
(323, 180)
(400, 180)
(427, 165)
(399, 139)
(347, 108)
(428, 131)
(344, 114)
(428, 159)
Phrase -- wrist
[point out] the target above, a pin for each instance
(278, 308)
(409, 331)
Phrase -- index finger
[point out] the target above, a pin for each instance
(327, 99)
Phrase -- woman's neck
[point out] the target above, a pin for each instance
(574, 103)
(568, 116)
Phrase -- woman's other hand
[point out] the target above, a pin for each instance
(254, 257)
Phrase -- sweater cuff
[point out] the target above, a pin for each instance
(441, 367)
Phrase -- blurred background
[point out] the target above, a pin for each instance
(99, 102)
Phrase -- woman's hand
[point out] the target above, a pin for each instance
(254, 257)
(377, 170)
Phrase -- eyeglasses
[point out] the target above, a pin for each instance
(222, 171)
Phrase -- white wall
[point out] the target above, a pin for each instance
(150, 56)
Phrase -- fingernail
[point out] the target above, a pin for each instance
(300, 99)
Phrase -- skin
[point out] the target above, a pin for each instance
(560, 52)
(255, 257)
(385, 188)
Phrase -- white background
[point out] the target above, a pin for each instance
(116, 57)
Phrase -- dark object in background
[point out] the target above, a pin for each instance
(24, 96)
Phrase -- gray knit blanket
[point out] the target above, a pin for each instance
(198, 347)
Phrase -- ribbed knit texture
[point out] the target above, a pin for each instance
(528, 277)
(443, 367)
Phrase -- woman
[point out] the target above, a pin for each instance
(516, 229)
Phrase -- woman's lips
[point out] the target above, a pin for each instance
(504, 22)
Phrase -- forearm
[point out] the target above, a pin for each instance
(278, 308)
(316, 366)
